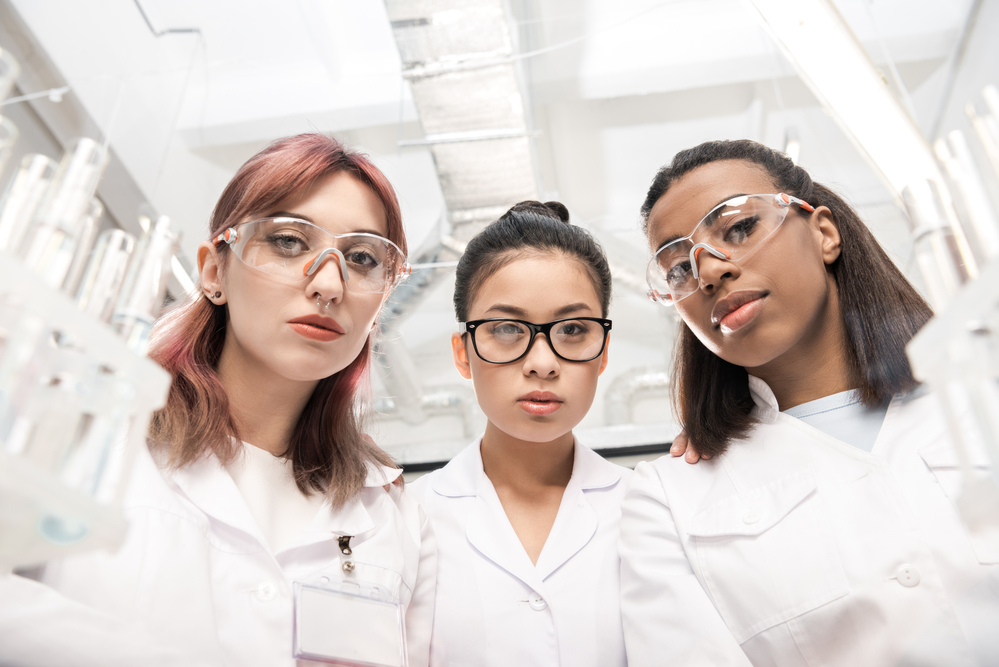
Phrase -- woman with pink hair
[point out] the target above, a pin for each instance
(265, 527)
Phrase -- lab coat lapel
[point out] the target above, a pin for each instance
(207, 484)
(574, 526)
(788, 447)
(490, 532)
(488, 529)
(577, 520)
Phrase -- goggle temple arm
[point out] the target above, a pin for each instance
(405, 271)
(230, 236)
(786, 200)
(314, 265)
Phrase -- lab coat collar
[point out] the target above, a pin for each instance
(379, 475)
(460, 477)
(208, 485)
(767, 407)
(490, 532)
(351, 519)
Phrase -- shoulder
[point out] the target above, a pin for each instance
(598, 476)
(423, 485)
(459, 478)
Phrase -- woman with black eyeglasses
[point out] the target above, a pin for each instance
(527, 518)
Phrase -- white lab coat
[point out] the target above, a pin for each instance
(494, 607)
(800, 549)
(195, 576)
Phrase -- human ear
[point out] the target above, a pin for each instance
(460, 355)
(605, 356)
(210, 273)
(823, 222)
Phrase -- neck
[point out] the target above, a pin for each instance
(817, 366)
(265, 407)
(511, 462)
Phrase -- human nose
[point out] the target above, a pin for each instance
(540, 359)
(327, 281)
(711, 266)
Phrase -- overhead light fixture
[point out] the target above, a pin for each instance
(835, 66)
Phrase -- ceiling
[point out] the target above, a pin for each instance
(186, 90)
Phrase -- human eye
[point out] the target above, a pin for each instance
(573, 329)
(740, 230)
(505, 331)
(287, 243)
(361, 257)
(678, 274)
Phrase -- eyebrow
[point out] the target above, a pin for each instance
(522, 314)
(288, 214)
(670, 239)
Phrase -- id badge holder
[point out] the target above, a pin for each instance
(347, 622)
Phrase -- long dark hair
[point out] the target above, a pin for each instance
(881, 311)
(328, 452)
(529, 225)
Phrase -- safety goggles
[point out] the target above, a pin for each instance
(291, 250)
(500, 341)
(730, 231)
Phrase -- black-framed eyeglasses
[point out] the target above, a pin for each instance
(502, 341)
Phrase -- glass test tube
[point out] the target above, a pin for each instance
(89, 226)
(49, 249)
(104, 275)
(145, 286)
(22, 198)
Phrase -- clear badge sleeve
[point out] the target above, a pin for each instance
(348, 623)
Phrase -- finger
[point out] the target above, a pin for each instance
(692, 456)
(679, 445)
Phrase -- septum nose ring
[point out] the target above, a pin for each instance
(328, 302)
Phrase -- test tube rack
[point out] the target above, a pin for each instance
(67, 374)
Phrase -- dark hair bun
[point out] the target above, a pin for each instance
(550, 209)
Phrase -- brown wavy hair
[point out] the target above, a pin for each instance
(881, 310)
(329, 453)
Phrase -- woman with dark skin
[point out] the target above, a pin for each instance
(822, 530)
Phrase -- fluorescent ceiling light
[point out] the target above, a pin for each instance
(832, 62)
(837, 69)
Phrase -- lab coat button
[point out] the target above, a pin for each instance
(907, 575)
(538, 604)
(750, 517)
(266, 592)
(348, 566)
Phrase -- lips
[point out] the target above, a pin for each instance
(540, 403)
(737, 309)
(317, 327)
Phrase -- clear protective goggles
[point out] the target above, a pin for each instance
(291, 250)
(501, 341)
(730, 231)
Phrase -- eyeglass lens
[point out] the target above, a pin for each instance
(503, 341)
(284, 247)
(735, 228)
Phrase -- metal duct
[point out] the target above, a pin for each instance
(472, 103)
(475, 123)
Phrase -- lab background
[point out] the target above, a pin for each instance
(470, 106)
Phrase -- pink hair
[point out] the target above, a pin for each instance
(328, 451)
